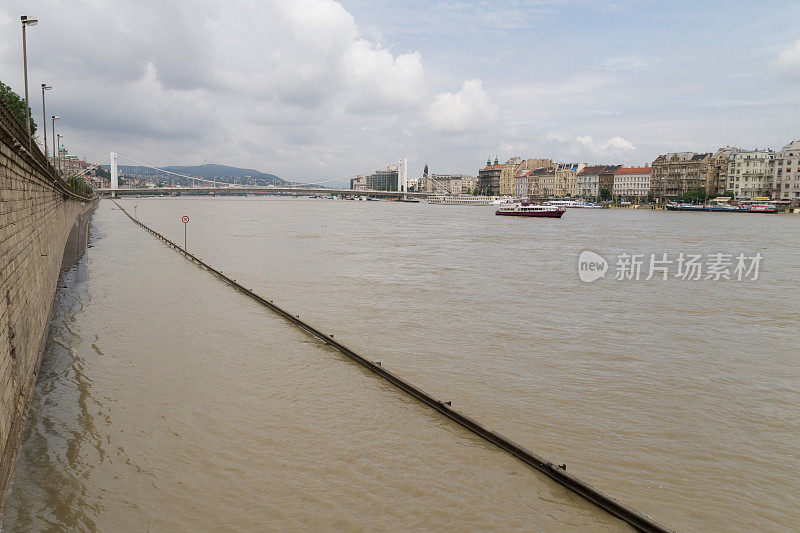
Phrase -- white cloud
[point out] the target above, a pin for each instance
(624, 63)
(379, 82)
(611, 145)
(585, 148)
(272, 84)
(789, 59)
(299, 88)
(469, 109)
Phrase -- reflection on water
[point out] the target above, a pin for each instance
(60, 424)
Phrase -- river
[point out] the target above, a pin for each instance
(167, 401)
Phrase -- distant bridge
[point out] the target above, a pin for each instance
(220, 188)
(239, 191)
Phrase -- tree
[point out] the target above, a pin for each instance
(17, 105)
(605, 195)
(695, 195)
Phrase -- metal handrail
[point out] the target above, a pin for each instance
(11, 127)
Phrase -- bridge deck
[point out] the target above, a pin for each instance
(214, 191)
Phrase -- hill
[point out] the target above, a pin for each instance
(221, 173)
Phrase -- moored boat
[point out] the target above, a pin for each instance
(526, 209)
(762, 208)
(464, 200)
(577, 204)
(725, 208)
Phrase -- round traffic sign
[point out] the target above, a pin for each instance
(185, 219)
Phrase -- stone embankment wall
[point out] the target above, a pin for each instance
(38, 215)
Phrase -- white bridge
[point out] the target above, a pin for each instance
(214, 187)
(240, 191)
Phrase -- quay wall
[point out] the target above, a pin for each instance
(39, 214)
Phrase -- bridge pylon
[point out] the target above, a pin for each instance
(402, 175)
(114, 176)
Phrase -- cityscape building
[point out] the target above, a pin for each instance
(676, 173)
(750, 174)
(566, 179)
(588, 181)
(631, 183)
(718, 177)
(606, 179)
(526, 184)
(489, 178)
(384, 180)
(786, 172)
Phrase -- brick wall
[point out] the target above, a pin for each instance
(37, 214)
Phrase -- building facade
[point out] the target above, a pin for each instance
(717, 182)
(359, 183)
(676, 173)
(516, 166)
(527, 183)
(546, 181)
(507, 173)
(497, 179)
(606, 180)
(786, 173)
(489, 178)
(468, 184)
(588, 181)
(750, 174)
(447, 184)
(438, 184)
(384, 180)
(631, 183)
(567, 179)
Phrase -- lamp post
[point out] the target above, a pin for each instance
(58, 148)
(45, 87)
(55, 150)
(26, 22)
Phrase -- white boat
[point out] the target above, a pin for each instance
(527, 209)
(465, 200)
(582, 204)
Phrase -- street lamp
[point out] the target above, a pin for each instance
(58, 148)
(55, 149)
(27, 22)
(45, 87)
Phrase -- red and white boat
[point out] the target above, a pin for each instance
(527, 209)
(762, 208)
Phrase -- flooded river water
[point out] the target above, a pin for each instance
(167, 401)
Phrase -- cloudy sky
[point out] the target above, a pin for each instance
(319, 89)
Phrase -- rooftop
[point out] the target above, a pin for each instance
(633, 170)
(794, 145)
(593, 169)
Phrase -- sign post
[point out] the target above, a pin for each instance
(185, 221)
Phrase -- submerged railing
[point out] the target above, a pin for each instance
(556, 472)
